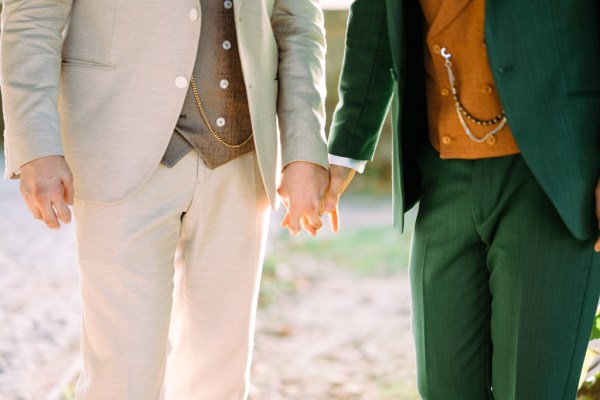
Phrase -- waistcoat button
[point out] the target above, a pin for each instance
(487, 89)
(193, 14)
(181, 82)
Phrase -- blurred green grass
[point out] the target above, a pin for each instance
(377, 250)
(372, 248)
(399, 391)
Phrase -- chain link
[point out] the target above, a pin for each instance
(210, 128)
(499, 119)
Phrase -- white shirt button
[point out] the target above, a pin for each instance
(193, 14)
(224, 83)
(181, 82)
(221, 122)
(228, 4)
(227, 45)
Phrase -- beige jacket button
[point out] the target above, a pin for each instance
(194, 14)
(220, 122)
(446, 140)
(181, 82)
(491, 140)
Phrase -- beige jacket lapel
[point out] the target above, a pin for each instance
(237, 6)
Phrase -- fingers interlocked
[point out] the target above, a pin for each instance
(303, 186)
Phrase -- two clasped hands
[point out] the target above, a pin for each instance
(308, 191)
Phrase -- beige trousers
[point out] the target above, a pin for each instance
(211, 225)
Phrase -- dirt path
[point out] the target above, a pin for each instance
(39, 302)
(344, 338)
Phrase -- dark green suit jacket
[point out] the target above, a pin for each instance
(545, 58)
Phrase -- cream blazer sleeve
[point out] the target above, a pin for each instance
(30, 67)
(300, 35)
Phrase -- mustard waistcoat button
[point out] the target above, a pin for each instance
(487, 89)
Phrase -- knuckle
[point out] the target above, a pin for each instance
(39, 196)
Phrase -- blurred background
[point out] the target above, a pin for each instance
(334, 314)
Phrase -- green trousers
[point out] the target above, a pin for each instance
(503, 295)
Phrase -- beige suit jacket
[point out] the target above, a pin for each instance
(102, 82)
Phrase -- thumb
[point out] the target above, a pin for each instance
(69, 193)
(333, 195)
(340, 177)
(334, 220)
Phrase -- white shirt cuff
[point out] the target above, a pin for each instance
(357, 165)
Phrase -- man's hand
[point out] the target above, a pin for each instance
(47, 188)
(340, 178)
(597, 246)
(303, 185)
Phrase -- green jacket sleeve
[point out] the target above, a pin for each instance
(366, 84)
